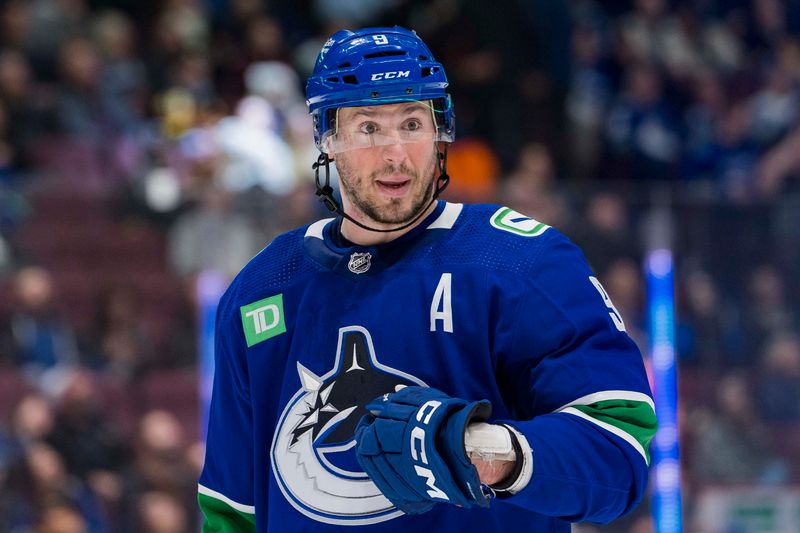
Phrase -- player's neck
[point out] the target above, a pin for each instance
(363, 237)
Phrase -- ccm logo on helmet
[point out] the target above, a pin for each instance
(418, 453)
(378, 76)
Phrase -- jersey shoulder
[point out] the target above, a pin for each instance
(499, 238)
(280, 264)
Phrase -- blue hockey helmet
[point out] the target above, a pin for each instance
(375, 66)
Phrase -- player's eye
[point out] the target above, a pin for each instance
(413, 125)
(368, 128)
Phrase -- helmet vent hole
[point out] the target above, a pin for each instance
(423, 58)
(384, 54)
(345, 64)
(350, 79)
(334, 79)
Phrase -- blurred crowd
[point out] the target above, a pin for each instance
(142, 143)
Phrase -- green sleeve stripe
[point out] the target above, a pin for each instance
(601, 396)
(633, 421)
(223, 515)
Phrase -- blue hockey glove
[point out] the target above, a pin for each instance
(412, 447)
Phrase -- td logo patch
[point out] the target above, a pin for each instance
(263, 319)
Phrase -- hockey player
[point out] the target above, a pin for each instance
(413, 364)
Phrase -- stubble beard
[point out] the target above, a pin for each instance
(391, 214)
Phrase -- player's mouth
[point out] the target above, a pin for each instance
(394, 187)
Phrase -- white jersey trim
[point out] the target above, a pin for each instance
(610, 395)
(315, 229)
(627, 437)
(249, 509)
(448, 217)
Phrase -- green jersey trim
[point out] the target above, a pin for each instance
(223, 515)
(628, 415)
(242, 508)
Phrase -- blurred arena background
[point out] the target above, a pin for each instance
(143, 143)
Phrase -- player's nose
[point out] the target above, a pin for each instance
(394, 153)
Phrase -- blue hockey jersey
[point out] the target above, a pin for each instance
(478, 301)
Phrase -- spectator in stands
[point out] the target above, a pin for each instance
(51, 23)
(87, 438)
(775, 107)
(160, 512)
(589, 96)
(677, 39)
(124, 89)
(255, 153)
(779, 382)
(161, 474)
(704, 114)
(80, 105)
(123, 344)
(26, 106)
(213, 220)
(779, 168)
(33, 420)
(532, 188)
(732, 446)
(123, 81)
(39, 481)
(278, 83)
(605, 234)
(709, 331)
(734, 154)
(767, 310)
(768, 22)
(15, 18)
(43, 340)
(643, 135)
(62, 518)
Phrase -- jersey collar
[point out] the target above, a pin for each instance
(356, 261)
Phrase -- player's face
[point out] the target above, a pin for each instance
(386, 158)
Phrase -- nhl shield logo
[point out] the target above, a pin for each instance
(360, 262)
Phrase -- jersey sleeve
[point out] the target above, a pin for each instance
(225, 489)
(575, 386)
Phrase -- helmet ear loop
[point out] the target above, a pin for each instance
(325, 192)
(444, 179)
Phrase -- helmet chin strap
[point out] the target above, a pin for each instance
(325, 192)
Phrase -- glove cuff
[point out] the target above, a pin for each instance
(523, 466)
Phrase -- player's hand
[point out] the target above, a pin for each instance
(412, 447)
(490, 447)
(494, 471)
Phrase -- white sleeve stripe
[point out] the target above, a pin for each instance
(610, 395)
(627, 437)
(249, 509)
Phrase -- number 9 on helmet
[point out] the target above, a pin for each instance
(376, 66)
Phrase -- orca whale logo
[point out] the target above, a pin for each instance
(312, 452)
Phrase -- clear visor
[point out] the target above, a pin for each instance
(357, 128)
